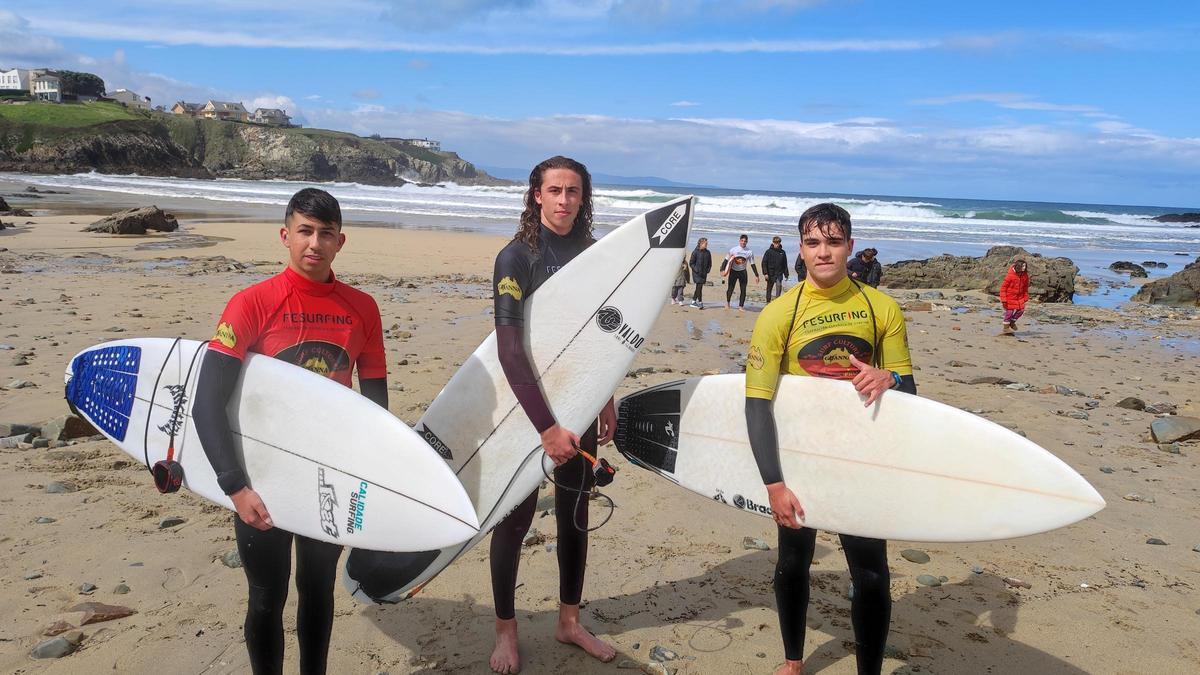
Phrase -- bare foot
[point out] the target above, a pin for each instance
(573, 633)
(506, 657)
(790, 668)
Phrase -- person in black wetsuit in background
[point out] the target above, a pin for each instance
(555, 227)
(775, 267)
(701, 264)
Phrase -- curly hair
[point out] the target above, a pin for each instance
(531, 218)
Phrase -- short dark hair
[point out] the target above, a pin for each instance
(823, 217)
(743, 236)
(315, 203)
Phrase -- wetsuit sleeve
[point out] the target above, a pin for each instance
(767, 346)
(895, 342)
(764, 443)
(239, 326)
(518, 370)
(218, 377)
(510, 285)
(375, 389)
(372, 361)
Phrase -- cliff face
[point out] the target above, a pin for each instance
(170, 145)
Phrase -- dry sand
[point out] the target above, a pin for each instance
(670, 568)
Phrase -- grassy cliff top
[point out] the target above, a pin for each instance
(67, 115)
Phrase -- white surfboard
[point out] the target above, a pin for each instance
(583, 327)
(328, 463)
(906, 468)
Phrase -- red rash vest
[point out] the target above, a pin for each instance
(327, 328)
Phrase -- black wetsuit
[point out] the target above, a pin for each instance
(519, 272)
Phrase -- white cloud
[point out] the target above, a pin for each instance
(863, 154)
(685, 104)
(1012, 101)
(215, 36)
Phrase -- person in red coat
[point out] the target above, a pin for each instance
(1014, 293)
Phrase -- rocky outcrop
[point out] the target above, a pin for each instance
(1181, 288)
(1050, 279)
(135, 221)
(126, 146)
(173, 145)
(1179, 218)
(1134, 270)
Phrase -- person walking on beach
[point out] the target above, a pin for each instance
(701, 264)
(826, 326)
(681, 280)
(262, 319)
(734, 267)
(865, 268)
(1014, 293)
(775, 267)
(555, 226)
(801, 269)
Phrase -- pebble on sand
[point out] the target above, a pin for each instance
(87, 588)
(929, 580)
(232, 560)
(171, 522)
(754, 543)
(61, 487)
(54, 648)
(660, 653)
(915, 555)
(1155, 541)
(1017, 583)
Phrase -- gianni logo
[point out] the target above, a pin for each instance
(327, 501)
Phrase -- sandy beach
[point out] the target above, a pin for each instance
(670, 568)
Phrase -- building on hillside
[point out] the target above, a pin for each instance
(12, 81)
(45, 85)
(224, 110)
(185, 108)
(129, 99)
(435, 146)
(273, 116)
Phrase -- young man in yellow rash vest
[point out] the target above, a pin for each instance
(827, 326)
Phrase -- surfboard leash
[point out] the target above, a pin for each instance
(603, 472)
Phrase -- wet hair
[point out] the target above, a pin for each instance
(531, 218)
(744, 236)
(315, 203)
(824, 217)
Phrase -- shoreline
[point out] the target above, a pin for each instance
(1114, 289)
(670, 568)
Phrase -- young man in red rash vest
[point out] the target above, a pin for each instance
(304, 316)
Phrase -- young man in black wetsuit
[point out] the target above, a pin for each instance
(262, 319)
(775, 267)
(826, 326)
(555, 227)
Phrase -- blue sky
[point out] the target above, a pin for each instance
(1066, 101)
